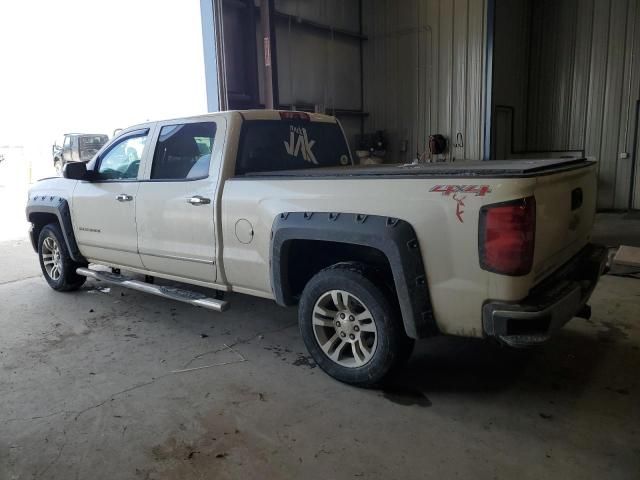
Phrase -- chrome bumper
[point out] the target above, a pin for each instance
(550, 305)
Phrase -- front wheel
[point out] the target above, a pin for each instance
(57, 266)
(351, 327)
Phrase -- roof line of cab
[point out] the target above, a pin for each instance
(246, 115)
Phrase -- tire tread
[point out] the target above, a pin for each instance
(396, 348)
(69, 280)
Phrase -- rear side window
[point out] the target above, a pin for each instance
(95, 141)
(183, 151)
(273, 145)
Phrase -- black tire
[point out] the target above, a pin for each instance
(66, 279)
(392, 346)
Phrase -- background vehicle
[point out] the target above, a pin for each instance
(269, 204)
(77, 147)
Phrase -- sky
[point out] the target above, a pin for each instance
(89, 66)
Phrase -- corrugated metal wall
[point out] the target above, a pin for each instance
(317, 63)
(568, 74)
(584, 85)
(511, 48)
(424, 74)
(317, 66)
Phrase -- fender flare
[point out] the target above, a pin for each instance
(395, 238)
(59, 207)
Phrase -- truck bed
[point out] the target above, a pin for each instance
(460, 169)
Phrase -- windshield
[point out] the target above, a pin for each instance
(272, 145)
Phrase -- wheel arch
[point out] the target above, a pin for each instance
(352, 236)
(45, 209)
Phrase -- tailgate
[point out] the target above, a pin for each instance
(565, 211)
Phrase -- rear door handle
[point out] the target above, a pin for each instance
(198, 200)
(124, 197)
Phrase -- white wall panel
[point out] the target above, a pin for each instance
(424, 73)
(634, 129)
(317, 67)
(342, 14)
(612, 102)
(509, 98)
(630, 97)
(584, 85)
(580, 85)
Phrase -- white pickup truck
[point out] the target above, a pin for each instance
(269, 203)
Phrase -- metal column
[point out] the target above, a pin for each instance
(267, 10)
(213, 47)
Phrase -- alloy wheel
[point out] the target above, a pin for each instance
(51, 258)
(344, 328)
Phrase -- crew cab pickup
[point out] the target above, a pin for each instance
(269, 203)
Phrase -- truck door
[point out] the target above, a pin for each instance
(104, 209)
(176, 211)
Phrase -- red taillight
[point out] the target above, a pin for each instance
(284, 115)
(507, 232)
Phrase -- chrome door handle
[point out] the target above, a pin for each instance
(198, 200)
(124, 198)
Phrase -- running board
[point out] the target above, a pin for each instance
(186, 296)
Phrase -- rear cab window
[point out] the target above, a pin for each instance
(95, 141)
(89, 145)
(290, 144)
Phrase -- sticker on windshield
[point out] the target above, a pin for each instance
(299, 144)
(344, 160)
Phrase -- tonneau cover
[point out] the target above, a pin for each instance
(462, 168)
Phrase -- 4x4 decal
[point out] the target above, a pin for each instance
(446, 190)
(454, 190)
(459, 205)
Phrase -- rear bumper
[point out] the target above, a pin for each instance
(550, 305)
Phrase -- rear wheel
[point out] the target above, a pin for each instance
(351, 327)
(58, 268)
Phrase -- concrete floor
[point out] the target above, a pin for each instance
(89, 389)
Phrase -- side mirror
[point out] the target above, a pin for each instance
(75, 171)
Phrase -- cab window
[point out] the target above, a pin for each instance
(183, 152)
(271, 145)
(122, 160)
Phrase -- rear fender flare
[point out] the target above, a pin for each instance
(395, 238)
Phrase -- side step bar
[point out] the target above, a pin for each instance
(186, 296)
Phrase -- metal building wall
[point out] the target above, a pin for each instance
(585, 84)
(511, 48)
(424, 74)
(320, 66)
